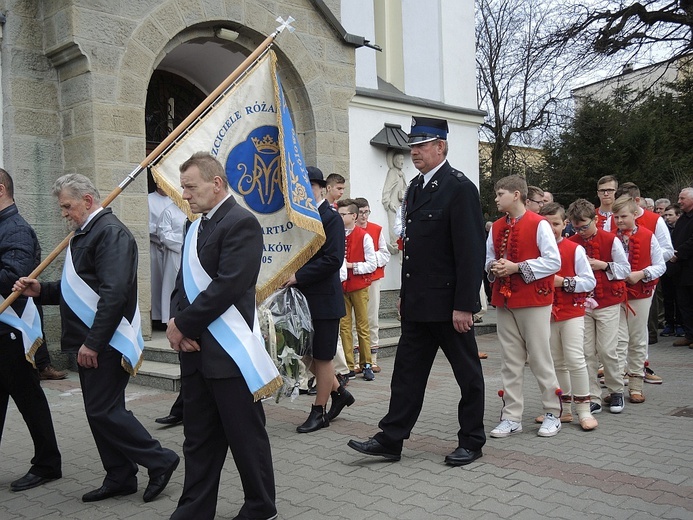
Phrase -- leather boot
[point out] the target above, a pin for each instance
(340, 399)
(316, 420)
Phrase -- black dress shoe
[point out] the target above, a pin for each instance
(462, 457)
(316, 420)
(105, 492)
(157, 484)
(29, 481)
(373, 447)
(339, 401)
(169, 420)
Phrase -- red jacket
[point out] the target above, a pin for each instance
(354, 252)
(639, 256)
(518, 243)
(607, 292)
(567, 305)
(374, 230)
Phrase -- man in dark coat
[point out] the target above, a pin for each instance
(319, 281)
(219, 410)
(19, 255)
(442, 268)
(103, 258)
(682, 265)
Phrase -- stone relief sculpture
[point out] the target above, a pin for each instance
(393, 193)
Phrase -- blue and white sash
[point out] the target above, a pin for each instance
(29, 324)
(83, 300)
(245, 346)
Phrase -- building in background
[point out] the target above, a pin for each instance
(91, 88)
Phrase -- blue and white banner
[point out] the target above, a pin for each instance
(83, 301)
(250, 130)
(245, 345)
(29, 324)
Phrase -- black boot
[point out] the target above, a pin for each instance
(316, 420)
(340, 399)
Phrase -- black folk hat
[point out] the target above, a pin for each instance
(315, 175)
(425, 129)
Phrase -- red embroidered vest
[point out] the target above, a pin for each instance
(601, 220)
(353, 253)
(567, 305)
(639, 256)
(607, 292)
(374, 231)
(518, 243)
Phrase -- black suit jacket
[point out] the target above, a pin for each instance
(443, 257)
(682, 240)
(230, 251)
(318, 279)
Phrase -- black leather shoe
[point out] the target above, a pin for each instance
(157, 484)
(316, 420)
(169, 420)
(29, 481)
(105, 492)
(462, 457)
(339, 401)
(373, 447)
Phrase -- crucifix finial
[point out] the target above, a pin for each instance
(285, 24)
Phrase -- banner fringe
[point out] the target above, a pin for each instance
(32, 351)
(269, 389)
(128, 367)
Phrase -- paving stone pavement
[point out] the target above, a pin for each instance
(638, 464)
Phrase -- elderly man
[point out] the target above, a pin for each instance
(19, 255)
(212, 326)
(682, 263)
(443, 262)
(97, 295)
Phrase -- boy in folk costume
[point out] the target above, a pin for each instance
(606, 190)
(647, 265)
(521, 259)
(573, 284)
(610, 265)
(360, 262)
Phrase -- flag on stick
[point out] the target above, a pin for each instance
(250, 131)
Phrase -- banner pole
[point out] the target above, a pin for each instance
(175, 134)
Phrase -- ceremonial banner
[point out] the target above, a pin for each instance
(250, 131)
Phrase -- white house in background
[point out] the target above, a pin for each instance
(426, 68)
(655, 76)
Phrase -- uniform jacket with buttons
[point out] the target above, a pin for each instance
(443, 256)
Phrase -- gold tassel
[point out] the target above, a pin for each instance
(128, 368)
(268, 389)
(32, 351)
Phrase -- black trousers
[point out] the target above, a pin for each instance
(219, 414)
(19, 380)
(120, 438)
(684, 298)
(416, 351)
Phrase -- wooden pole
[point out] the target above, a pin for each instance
(170, 139)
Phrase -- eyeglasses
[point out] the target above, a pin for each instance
(540, 202)
(606, 191)
(583, 228)
(365, 212)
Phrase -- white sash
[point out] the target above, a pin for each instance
(83, 300)
(246, 347)
(29, 325)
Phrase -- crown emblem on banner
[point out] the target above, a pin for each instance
(266, 145)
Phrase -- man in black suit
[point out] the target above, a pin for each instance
(219, 410)
(682, 264)
(442, 268)
(102, 256)
(319, 281)
(19, 255)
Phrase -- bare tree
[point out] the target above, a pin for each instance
(610, 27)
(522, 81)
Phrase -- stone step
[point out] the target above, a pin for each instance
(158, 349)
(154, 374)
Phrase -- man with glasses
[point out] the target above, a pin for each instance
(382, 256)
(535, 199)
(610, 265)
(442, 267)
(606, 191)
(360, 260)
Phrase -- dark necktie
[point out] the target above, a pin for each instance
(203, 223)
(418, 186)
